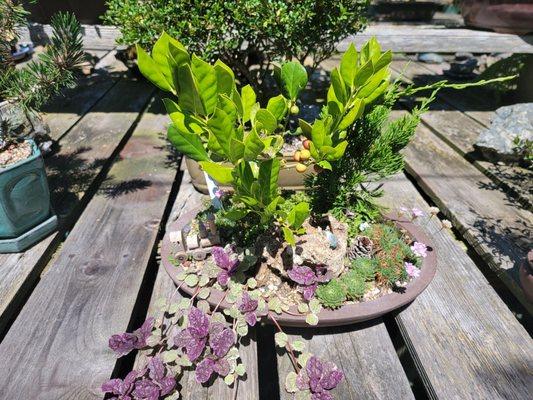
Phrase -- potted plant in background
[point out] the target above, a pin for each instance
(504, 16)
(25, 212)
(325, 256)
(249, 36)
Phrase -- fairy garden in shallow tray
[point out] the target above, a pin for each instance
(329, 255)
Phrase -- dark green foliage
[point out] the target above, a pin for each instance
(243, 232)
(33, 85)
(332, 294)
(241, 33)
(373, 152)
(354, 284)
(364, 267)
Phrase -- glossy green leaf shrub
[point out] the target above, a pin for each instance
(247, 35)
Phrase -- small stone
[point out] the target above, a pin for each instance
(430, 58)
(497, 143)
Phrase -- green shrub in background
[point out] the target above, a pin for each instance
(247, 35)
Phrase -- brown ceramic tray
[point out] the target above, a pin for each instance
(347, 314)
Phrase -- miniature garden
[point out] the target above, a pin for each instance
(293, 135)
(257, 253)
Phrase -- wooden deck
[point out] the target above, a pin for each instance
(116, 184)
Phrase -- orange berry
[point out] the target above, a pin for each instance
(306, 144)
(297, 155)
(305, 154)
(301, 168)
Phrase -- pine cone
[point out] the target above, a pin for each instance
(361, 246)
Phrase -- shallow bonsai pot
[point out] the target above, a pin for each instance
(289, 178)
(504, 16)
(25, 211)
(345, 315)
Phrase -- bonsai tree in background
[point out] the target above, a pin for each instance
(25, 90)
(246, 35)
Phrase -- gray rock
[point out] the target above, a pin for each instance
(497, 142)
(430, 58)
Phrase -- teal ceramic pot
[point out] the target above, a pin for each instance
(24, 203)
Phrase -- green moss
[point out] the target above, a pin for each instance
(354, 284)
(332, 294)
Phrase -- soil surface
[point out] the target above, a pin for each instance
(14, 153)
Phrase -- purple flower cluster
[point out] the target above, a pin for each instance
(308, 279)
(319, 377)
(248, 307)
(125, 342)
(195, 338)
(137, 385)
(227, 261)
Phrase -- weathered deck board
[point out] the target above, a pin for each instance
(465, 100)
(461, 132)
(62, 113)
(365, 354)
(500, 232)
(412, 38)
(83, 154)
(464, 340)
(187, 199)
(89, 292)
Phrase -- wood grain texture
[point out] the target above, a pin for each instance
(83, 154)
(460, 131)
(65, 111)
(187, 199)
(57, 347)
(429, 38)
(364, 352)
(500, 232)
(408, 38)
(464, 340)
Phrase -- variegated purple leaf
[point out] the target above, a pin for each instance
(302, 275)
(250, 318)
(309, 291)
(331, 376)
(314, 369)
(156, 369)
(145, 389)
(193, 346)
(204, 370)
(322, 396)
(221, 339)
(198, 323)
(167, 384)
(224, 260)
(223, 278)
(246, 304)
(222, 367)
